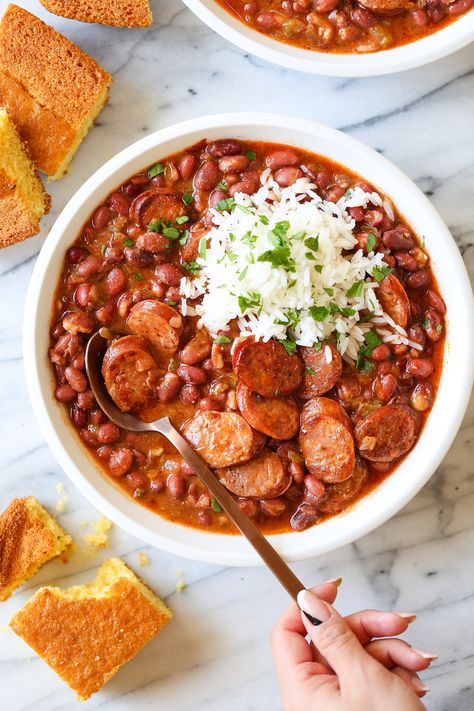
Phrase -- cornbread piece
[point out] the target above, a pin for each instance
(50, 88)
(23, 200)
(29, 537)
(119, 13)
(87, 632)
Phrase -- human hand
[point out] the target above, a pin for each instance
(345, 668)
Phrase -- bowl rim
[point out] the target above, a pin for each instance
(447, 40)
(368, 513)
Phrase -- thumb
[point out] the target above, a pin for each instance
(333, 638)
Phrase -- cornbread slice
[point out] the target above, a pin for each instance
(86, 633)
(29, 537)
(119, 13)
(23, 200)
(51, 89)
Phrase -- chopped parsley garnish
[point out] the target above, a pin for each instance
(222, 339)
(182, 219)
(128, 242)
(348, 192)
(370, 243)
(317, 346)
(289, 346)
(251, 155)
(312, 243)
(366, 318)
(187, 198)
(277, 236)
(138, 276)
(243, 274)
(278, 257)
(156, 170)
(192, 267)
(310, 371)
(366, 366)
(264, 219)
(184, 237)
(203, 248)
(318, 268)
(426, 322)
(215, 506)
(170, 302)
(347, 311)
(246, 209)
(103, 249)
(319, 313)
(371, 341)
(248, 238)
(379, 273)
(156, 225)
(355, 290)
(329, 291)
(222, 186)
(226, 204)
(439, 328)
(171, 233)
(251, 301)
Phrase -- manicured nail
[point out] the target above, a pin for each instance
(334, 581)
(408, 616)
(419, 685)
(314, 609)
(425, 655)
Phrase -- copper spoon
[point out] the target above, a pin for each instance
(95, 351)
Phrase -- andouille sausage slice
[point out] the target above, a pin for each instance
(275, 417)
(158, 204)
(197, 348)
(394, 300)
(322, 369)
(324, 406)
(327, 445)
(190, 250)
(266, 368)
(388, 6)
(130, 373)
(159, 323)
(263, 477)
(339, 495)
(385, 434)
(221, 438)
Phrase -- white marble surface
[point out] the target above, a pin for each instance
(216, 653)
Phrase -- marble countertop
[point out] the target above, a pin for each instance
(216, 652)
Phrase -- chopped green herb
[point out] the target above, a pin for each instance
(243, 274)
(171, 233)
(264, 219)
(156, 225)
(310, 371)
(347, 311)
(128, 242)
(222, 339)
(365, 366)
(226, 204)
(184, 237)
(246, 209)
(371, 341)
(182, 219)
(291, 284)
(251, 155)
(439, 328)
(300, 235)
(355, 290)
(203, 248)
(289, 346)
(170, 302)
(249, 238)
(156, 170)
(319, 313)
(312, 243)
(187, 198)
(222, 186)
(366, 318)
(215, 506)
(138, 276)
(251, 301)
(278, 257)
(318, 268)
(317, 346)
(103, 249)
(426, 322)
(348, 192)
(192, 267)
(329, 291)
(370, 243)
(277, 236)
(379, 273)
(310, 256)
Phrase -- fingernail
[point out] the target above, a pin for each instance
(425, 655)
(408, 616)
(334, 581)
(419, 685)
(315, 610)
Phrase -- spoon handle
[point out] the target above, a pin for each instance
(266, 551)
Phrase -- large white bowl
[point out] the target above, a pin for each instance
(447, 40)
(443, 421)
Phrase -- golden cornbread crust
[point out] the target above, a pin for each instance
(49, 88)
(119, 13)
(87, 633)
(29, 537)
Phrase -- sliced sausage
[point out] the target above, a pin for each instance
(322, 369)
(339, 495)
(388, 6)
(263, 477)
(197, 349)
(158, 204)
(275, 417)
(221, 438)
(386, 433)
(190, 251)
(130, 373)
(394, 300)
(267, 368)
(324, 407)
(327, 444)
(159, 323)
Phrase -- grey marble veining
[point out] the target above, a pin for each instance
(216, 653)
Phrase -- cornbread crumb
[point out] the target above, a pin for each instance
(29, 537)
(51, 89)
(106, 622)
(97, 540)
(143, 559)
(102, 525)
(60, 488)
(118, 13)
(23, 200)
(180, 586)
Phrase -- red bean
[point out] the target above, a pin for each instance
(207, 176)
(416, 280)
(335, 193)
(157, 486)
(78, 416)
(124, 304)
(140, 179)
(287, 176)
(89, 437)
(66, 348)
(89, 267)
(187, 165)
(78, 322)
(116, 281)
(120, 203)
(215, 197)
(363, 18)
(398, 238)
(224, 147)
(245, 187)
(159, 181)
(76, 379)
(459, 6)
(104, 452)
(153, 242)
(190, 394)
(433, 325)
(108, 433)
(356, 213)
(169, 387)
(98, 417)
(303, 517)
(406, 261)
(435, 301)
(120, 462)
(296, 470)
(192, 374)
(204, 517)
(420, 17)
(325, 5)
(385, 387)
(314, 486)
(101, 217)
(186, 469)
(65, 393)
(176, 485)
(208, 403)
(384, 367)
(137, 258)
(381, 353)
(374, 218)
(169, 274)
(87, 295)
(138, 481)
(105, 315)
(416, 333)
(420, 367)
(113, 255)
(76, 254)
(85, 400)
(233, 164)
(273, 507)
(422, 397)
(281, 158)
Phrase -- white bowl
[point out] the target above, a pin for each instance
(398, 488)
(439, 44)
